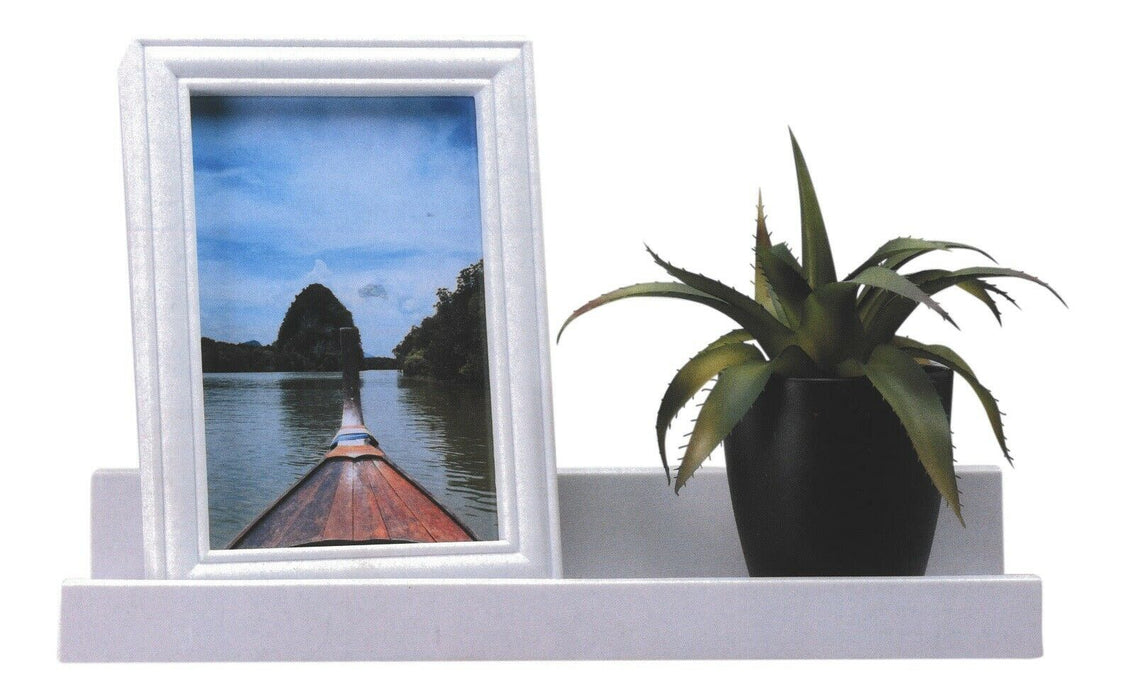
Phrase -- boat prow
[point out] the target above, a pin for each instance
(355, 494)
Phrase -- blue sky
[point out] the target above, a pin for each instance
(374, 197)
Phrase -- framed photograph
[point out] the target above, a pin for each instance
(340, 332)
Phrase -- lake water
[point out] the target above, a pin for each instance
(266, 430)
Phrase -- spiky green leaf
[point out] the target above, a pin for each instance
(906, 388)
(764, 295)
(817, 258)
(994, 289)
(757, 320)
(978, 290)
(949, 358)
(671, 290)
(787, 284)
(889, 280)
(887, 313)
(692, 377)
(733, 394)
(899, 251)
(777, 309)
(762, 242)
(932, 281)
(784, 253)
(736, 336)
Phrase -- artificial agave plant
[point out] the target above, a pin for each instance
(806, 322)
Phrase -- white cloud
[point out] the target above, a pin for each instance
(319, 273)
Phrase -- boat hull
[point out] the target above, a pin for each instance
(348, 499)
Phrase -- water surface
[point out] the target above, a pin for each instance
(266, 430)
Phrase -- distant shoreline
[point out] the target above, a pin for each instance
(220, 357)
(301, 371)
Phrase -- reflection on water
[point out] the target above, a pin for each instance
(266, 430)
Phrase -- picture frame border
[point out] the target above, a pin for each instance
(157, 79)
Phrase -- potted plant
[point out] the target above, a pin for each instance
(836, 430)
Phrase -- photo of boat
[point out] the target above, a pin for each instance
(342, 235)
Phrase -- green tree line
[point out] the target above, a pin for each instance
(450, 343)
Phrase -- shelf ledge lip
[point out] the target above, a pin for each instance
(557, 582)
(398, 620)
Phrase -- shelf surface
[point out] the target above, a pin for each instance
(647, 575)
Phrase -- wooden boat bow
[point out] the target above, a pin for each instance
(355, 494)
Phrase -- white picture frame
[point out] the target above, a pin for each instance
(157, 79)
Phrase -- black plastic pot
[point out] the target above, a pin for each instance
(825, 482)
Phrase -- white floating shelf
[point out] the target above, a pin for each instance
(647, 575)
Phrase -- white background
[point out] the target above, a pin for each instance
(997, 125)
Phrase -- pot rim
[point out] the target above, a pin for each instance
(930, 368)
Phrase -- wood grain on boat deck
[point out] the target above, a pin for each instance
(347, 500)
